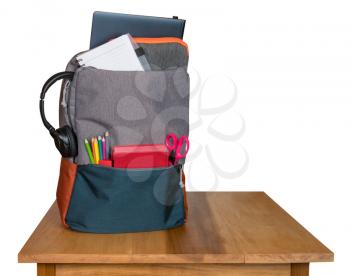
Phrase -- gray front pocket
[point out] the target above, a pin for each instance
(135, 107)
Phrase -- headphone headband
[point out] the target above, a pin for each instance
(59, 76)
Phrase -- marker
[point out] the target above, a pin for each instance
(100, 151)
(104, 148)
(97, 157)
(88, 149)
(108, 145)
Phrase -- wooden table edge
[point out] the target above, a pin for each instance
(132, 258)
(176, 258)
(290, 258)
(293, 269)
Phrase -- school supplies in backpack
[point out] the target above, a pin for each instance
(140, 156)
(133, 108)
(118, 54)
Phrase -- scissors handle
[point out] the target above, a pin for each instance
(183, 142)
(171, 141)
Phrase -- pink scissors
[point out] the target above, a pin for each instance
(174, 144)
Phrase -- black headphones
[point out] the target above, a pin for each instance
(64, 137)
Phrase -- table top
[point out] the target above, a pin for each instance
(223, 227)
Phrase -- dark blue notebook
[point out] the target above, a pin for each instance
(107, 25)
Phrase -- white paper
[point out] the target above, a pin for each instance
(117, 54)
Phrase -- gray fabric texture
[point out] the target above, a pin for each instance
(135, 107)
(165, 55)
(65, 90)
(160, 56)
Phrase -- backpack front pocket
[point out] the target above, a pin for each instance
(112, 200)
(134, 107)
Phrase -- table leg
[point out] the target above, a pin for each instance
(46, 270)
(300, 269)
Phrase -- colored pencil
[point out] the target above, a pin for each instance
(104, 148)
(97, 160)
(93, 149)
(88, 149)
(108, 145)
(100, 151)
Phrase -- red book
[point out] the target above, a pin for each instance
(140, 156)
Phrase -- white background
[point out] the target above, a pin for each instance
(290, 61)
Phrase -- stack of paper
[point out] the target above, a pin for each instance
(117, 54)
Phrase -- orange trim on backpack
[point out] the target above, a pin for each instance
(65, 185)
(159, 40)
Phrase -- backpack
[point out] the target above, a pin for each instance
(135, 108)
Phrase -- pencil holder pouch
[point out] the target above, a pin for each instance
(135, 107)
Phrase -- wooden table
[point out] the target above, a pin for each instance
(228, 233)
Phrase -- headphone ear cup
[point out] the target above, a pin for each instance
(73, 141)
(66, 141)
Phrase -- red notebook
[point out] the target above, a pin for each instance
(140, 156)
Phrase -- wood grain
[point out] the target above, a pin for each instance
(46, 270)
(173, 270)
(223, 227)
(300, 269)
